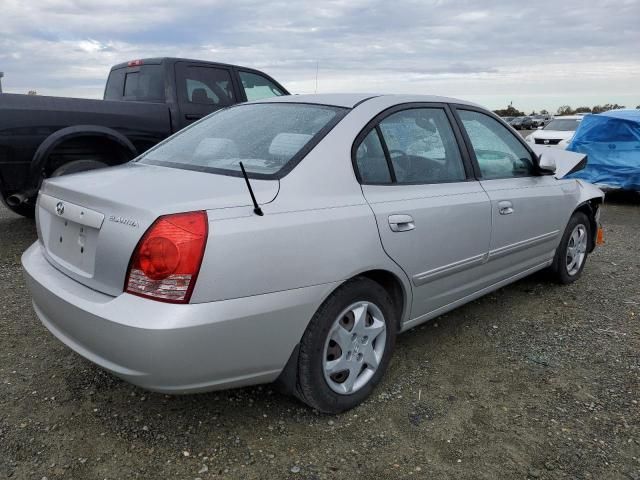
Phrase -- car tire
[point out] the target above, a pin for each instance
(78, 166)
(357, 308)
(571, 255)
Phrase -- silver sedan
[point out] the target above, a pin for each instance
(292, 239)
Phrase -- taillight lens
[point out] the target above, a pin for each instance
(167, 259)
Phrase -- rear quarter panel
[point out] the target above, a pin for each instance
(252, 255)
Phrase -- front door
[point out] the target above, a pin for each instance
(434, 219)
(528, 210)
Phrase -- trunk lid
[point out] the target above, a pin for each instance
(90, 223)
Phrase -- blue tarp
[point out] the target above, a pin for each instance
(612, 142)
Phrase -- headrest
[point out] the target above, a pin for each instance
(216, 148)
(288, 144)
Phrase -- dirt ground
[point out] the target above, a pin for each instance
(533, 381)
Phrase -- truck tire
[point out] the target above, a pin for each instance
(78, 166)
(27, 210)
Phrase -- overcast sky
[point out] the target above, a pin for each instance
(538, 54)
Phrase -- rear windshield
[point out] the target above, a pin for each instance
(145, 84)
(268, 138)
(563, 124)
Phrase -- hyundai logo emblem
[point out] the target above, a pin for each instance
(60, 208)
(546, 142)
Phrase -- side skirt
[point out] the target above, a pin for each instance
(446, 308)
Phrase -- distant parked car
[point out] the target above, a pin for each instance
(557, 132)
(144, 102)
(522, 123)
(294, 238)
(540, 120)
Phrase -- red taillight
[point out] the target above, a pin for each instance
(165, 264)
(135, 63)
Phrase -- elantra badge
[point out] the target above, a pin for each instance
(123, 220)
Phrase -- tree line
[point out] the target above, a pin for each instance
(511, 111)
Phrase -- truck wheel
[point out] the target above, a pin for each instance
(26, 209)
(78, 166)
(346, 347)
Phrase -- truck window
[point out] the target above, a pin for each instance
(205, 86)
(257, 87)
(145, 83)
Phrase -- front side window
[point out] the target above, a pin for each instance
(422, 147)
(257, 87)
(498, 151)
(267, 138)
(206, 86)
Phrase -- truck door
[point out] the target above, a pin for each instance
(202, 89)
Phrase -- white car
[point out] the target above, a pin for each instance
(557, 133)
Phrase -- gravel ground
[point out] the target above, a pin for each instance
(533, 381)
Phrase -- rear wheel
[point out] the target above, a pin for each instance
(347, 346)
(571, 255)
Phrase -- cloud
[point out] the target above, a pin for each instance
(498, 52)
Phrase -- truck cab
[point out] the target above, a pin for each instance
(192, 88)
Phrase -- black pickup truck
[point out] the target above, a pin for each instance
(144, 102)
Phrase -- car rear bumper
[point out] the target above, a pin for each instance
(173, 348)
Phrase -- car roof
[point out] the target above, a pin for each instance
(569, 117)
(351, 100)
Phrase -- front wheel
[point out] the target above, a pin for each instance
(573, 250)
(346, 347)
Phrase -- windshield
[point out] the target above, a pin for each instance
(268, 138)
(563, 124)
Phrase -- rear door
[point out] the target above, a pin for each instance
(434, 219)
(528, 210)
(202, 89)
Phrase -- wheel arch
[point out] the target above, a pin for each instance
(590, 209)
(55, 140)
(396, 289)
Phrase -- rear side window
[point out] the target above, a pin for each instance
(145, 83)
(371, 161)
(257, 87)
(498, 151)
(205, 86)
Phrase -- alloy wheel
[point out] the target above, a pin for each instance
(576, 249)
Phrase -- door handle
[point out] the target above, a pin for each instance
(401, 223)
(192, 116)
(505, 207)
